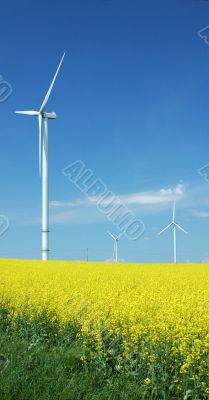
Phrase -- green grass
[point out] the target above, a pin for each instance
(41, 361)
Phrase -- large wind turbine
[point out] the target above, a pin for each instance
(174, 225)
(43, 118)
(115, 250)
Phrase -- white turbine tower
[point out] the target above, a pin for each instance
(115, 249)
(43, 161)
(174, 225)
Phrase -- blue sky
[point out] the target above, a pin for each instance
(132, 101)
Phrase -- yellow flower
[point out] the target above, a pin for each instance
(150, 304)
(147, 381)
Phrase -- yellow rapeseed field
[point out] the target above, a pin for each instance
(155, 305)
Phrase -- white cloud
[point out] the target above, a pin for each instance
(140, 198)
(76, 217)
(157, 197)
(70, 204)
(85, 210)
(201, 214)
(178, 190)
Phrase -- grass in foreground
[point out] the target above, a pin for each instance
(38, 361)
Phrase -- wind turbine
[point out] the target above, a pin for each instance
(174, 225)
(43, 118)
(115, 250)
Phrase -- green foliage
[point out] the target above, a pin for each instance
(41, 360)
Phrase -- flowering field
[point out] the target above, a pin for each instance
(148, 321)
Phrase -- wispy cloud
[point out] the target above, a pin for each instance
(76, 216)
(199, 213)
(68, 204)
(141, 198)
(85, 210)
(154, 197)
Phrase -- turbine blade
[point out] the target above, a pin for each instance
(40, 142)
(178, 226)
(111, 235)
(174, 210)
(51, 86)
(32, 112)
(165, 229)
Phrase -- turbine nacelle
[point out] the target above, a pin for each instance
(51, 115)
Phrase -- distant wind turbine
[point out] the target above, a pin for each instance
(43, 161)
(174, 225)
(115, 249)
